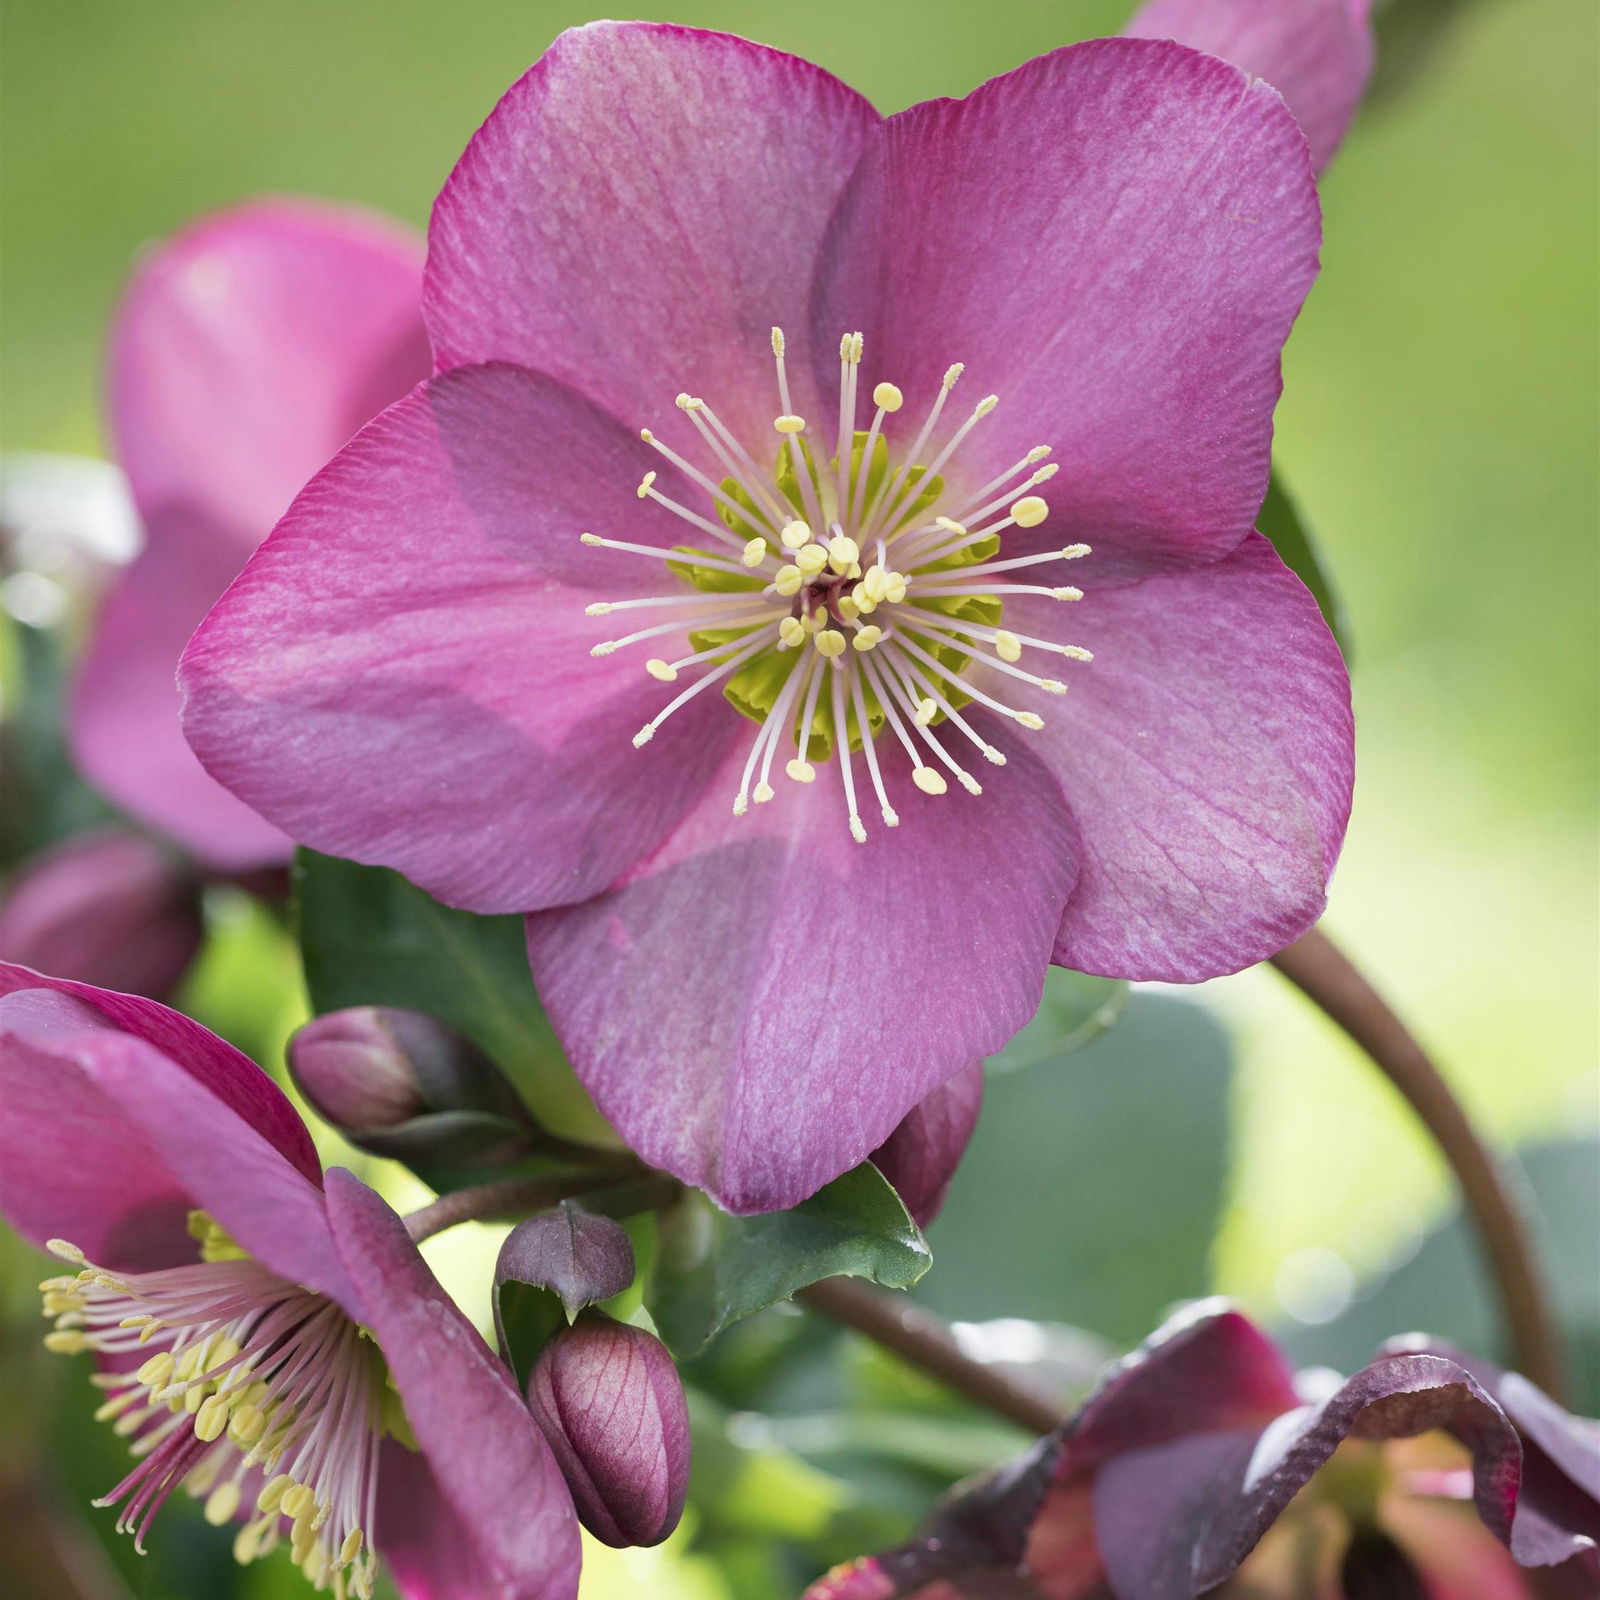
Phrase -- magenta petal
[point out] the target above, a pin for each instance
(759, 1005)
(643, 205)
(1208, 755)
(921, 1156)
(402, 674)
(1150, 228)
(247, 350)
(1316, 53)
(227, 1074)
(487, 1458)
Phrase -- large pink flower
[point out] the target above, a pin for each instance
(426, 667)
(246, 350)
(335, 1400)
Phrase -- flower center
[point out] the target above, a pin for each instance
(254, 1392)
(836, 600)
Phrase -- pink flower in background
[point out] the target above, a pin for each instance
(1316, 53)
(1028, 337)
(1202, 1465)
(246, 350)
(329, 1395)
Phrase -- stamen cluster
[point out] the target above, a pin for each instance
(881, 602)
(256, 1394)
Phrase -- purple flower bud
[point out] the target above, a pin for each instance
(921, 1156)
(608, 1399)
(109, 908)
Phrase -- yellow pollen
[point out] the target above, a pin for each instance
(155, 1373)
(65, 1342)
(1073, 551)
(271, 1497)
(788, 580)
(647, 436)
(896, 590)
(929, 781)
(843, 553)
(351, 1547)
(222, 1503)
(888, 397)
(1045, 474)
(297, 1501)
(1007, 646)
(247, 1425)
(948, 525)
(1076, 652)
(1067, 592)
(687, 402)
(599, 609)
(858, 829)
(951, 373)
(1038, 453)
(1052, 686)
(986, 405)
(590, 539)
(1029, 719)
(755, 552)
(927, 710)
(211, 1420)
(763, 793)
(644, 485)
(777, 341)
(64, 1251)
(830, 642)
(849, 607)
(801, 771)
(1029, 511)
(789, 423)
(795, 536)
(867, 637)
(811, 560)
(790, 631)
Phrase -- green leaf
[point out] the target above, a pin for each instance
(370, 938)
(714, 1269)
(1280, 521)
(1076, 1008)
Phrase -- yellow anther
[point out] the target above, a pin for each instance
(271, 1497)
(755, 552)
(66, 1342)
(1074, 551)
(1067, 592)
(1038, 453)
(764, 792)
(853, 571)
(830, 642)
(777, 341)
(986, 405)
(1029, 720)
(801, 771)
(687, 402)
(858, 829)
(788, 580)
(211, 1420)
(222, 1503)
(789, 423)
(62, 1250)
(590, 539)
(1029, 511)
(1052, 686)
(867, 637)
(847, 344)
(1007, 646)
(811, 560)
(996, 756)
(247, 1425)
(790, 631)
(157, 1372)
(887, 396)
(864, 602)
(795, 535)
(951, 373)
(647, 436)
(600, 608)
(927, 710)
(891, 818)
(1045, 474)
(1076, 652)
(929, 781)
(606, 647)
(115, 1406)
(143, 1320)
(297, 1502)
(812, 621)
(351, 1547)
(873, 583)
(247, 1544)
(644, 485)
(644, 736)
(895, 591)
(843, 552)
(968, 782)
(948, 525)
(847, 607)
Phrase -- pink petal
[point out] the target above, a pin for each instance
(641, 208)
(488, 1460)
(1316, 53)
(1115, 238)
(402, 674)
(247, 350)
(759, 1005)
(227, 1074)
(1207, 754)
(921, 1156)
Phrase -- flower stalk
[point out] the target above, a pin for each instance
(511, 1199)
(1326, 976)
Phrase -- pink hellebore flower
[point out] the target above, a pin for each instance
(269, 1337)
(1202, 1465)
(845, 581)
(1316, 53)
(246, 350)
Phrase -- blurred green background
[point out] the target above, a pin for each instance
(1439, 429)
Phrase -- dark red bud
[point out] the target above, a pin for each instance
(608, 1399)
(921, 1156)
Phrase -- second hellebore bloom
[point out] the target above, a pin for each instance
(762, 713)
(269, 1338)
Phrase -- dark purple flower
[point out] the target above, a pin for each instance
(1316, 53)
(424, 667)
(921, 1156)
(110, 908)
(269, 1338)
(1202, 1465)
(246, 350)
(610, 1402)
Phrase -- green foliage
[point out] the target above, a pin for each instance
(1280, 521)
(713, 1269)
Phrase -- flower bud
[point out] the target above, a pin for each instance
(403, 1084)
(921, 1156)
(110, 908)
(607, 1398)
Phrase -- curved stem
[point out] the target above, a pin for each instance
(1317, 967)
(926, 1342)
(504, 1200)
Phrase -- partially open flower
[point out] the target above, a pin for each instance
(611, 1404)
(1201, 1465)
(269, 1339)
(763, 710)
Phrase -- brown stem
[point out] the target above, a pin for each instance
(921, 1338)
(512, 1199)
(1317, 967)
